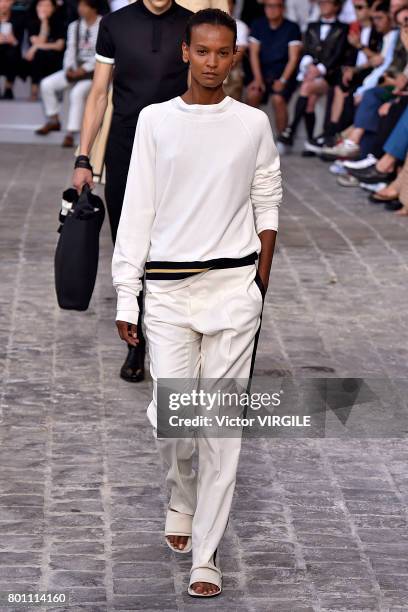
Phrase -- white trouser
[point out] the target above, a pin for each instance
(206, 329)
(52, 85)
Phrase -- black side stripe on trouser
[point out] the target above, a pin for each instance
(164, 270)
(256, 340)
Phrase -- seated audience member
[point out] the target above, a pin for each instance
(325, 47)
(395, 152)
(376, 102)
(275, 47)
(77, 72)
(383, 23)
(11, 37)
(364, 46)
(47, 33)
(234, 83)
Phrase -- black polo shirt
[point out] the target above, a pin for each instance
(146, 52)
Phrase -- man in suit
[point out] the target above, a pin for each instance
(325, 46)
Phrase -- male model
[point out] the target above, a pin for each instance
(140, 47)
(201, 203)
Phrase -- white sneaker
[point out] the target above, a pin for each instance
(346, 149)
(373, 187)
(368, 161)
(337, 167)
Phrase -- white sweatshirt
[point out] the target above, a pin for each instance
(203, 182)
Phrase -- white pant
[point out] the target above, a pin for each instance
(206, 329)
(56, 83)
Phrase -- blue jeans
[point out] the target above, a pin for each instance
(367, 112)
(397, 142)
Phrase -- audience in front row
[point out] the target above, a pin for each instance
(351, 53)
(325, 49)
(11, 38)
(46, 32)
(76, 74)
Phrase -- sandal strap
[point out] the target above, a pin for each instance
(206, 574)
(178, 523)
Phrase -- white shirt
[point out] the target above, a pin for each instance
(364, 40)
(86, 45)
(203, 182)
(348, 12)
(302, 12)
(389, 42)
(242, 33)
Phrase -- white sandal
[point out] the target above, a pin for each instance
(206, 574)
(179, 524)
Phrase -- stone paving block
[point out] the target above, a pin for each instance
(73, 579)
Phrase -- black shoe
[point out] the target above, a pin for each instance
(8, 94)
(371, 175)
(393, 205)
(133, 368)
(286, 137)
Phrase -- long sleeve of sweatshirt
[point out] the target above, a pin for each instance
(203, 182)
(133, 236)
(266, 188)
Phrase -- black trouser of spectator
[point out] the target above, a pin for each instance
(117, 160)
(10, 59)
(386, 126)
(44, 63)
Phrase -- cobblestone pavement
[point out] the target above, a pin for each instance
(317, 525)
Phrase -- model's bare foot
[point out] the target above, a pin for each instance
(204, 588)
(402, 212)
(179, 542)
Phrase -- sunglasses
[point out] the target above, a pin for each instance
(360, 7)
(273, 6)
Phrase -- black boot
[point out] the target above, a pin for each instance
(133, 369)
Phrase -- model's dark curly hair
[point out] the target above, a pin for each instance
(212, 17)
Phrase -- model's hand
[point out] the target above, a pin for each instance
(128, 332)
(81, 177)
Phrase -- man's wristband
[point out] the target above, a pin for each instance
(82, 161)
(283, 80)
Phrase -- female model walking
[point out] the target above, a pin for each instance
(200, 206)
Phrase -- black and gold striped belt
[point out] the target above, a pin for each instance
(165, 270)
